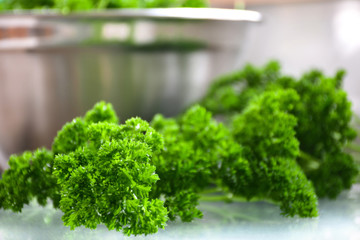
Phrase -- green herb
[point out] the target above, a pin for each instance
(101, 173)
(266, 130)
(109, 178)
(259, 162)
(188, 164)
(30, 176)
(323, 117)
(106, 175)
(282, 140)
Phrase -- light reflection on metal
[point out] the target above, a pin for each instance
(347, 27)
(115, 31)
(31, 29)
(55, 67)
(154, 13)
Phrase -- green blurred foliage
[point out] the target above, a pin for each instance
(25, 4)
(67, 6)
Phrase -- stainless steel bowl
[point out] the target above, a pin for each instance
(145, 61)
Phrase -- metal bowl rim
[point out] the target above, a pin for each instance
(218, 14)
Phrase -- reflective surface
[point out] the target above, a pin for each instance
(339, 219)
(54, 68)
(24, 30)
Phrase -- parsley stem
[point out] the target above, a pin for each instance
(231, 198)
(229, 215)
(212, 190)
(308, 162)
(353, 147)
(357, 119)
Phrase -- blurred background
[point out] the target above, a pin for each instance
(53, 67)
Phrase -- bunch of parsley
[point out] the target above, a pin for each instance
(281, 139)
(98, 172)
(322, 116)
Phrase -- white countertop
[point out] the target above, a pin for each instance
(339, 220)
